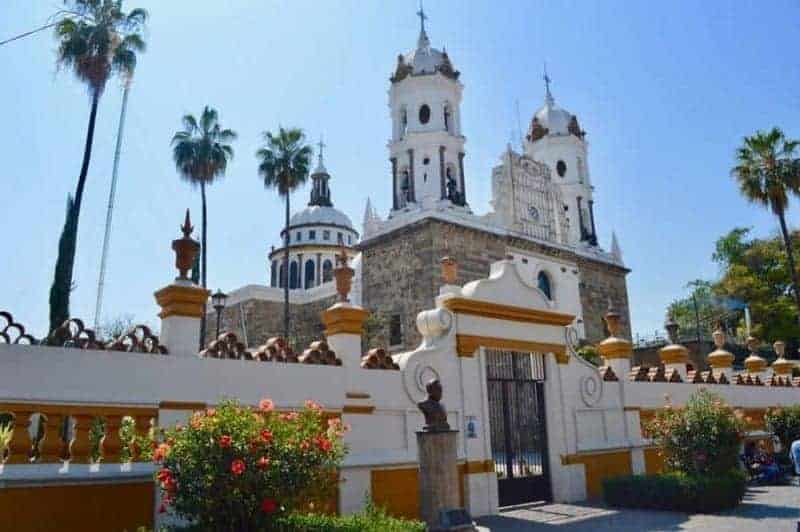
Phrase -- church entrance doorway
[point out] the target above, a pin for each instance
(515, 383)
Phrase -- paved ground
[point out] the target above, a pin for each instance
(768, 508)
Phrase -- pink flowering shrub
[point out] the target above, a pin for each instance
(702, 437)
(239, 468)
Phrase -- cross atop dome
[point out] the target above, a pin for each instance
(320, 165)
(548, 95)
(423, 41)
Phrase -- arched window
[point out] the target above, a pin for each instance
(327, 271)
(309, 273)
(543, 281)
(273, 275)
(424, 114)
(448, 116)
(293, 281)
(282, 277)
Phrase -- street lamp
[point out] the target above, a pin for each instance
(218, 299)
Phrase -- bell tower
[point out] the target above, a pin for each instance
(426, 149)
(556, 139)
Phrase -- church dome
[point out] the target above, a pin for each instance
(424, 60)
(554, 121)
(321, 215)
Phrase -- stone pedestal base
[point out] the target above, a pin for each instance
(438, 475)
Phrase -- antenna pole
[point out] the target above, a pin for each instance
(110, 212)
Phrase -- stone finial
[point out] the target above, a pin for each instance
(672, 328)
(344, 276)
(719, 359)
(754, 363)
(449, 270)
(674, 353)
(185, 248)
(614, 347)
(781, 366)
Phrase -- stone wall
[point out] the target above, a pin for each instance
(400, 273)
(264, 319)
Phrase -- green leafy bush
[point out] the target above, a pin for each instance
(677, 491)
(371, 520)
(238, 468)
(784, 422)
(704, 437)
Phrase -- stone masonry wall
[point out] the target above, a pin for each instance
(264, 319)
(401, 273)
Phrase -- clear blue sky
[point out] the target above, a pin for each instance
(665, 90)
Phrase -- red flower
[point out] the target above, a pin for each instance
(237, 467)
(162, 509)
(324, 444)
(311, 405)
(225, 441)
(263, 463)
(266, 405)
(211, 412)
(291, 416)
(269, 506)
(304, 445)
(161, 452)
(266, 436)
(163, 474)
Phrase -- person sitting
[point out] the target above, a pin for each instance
(750, 460)
(770, 471)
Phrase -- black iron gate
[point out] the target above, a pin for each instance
(517, 423)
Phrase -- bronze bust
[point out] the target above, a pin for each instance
(433, 409)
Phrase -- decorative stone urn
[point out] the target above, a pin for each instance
(755, 364)
(781, 366)
(185, 248)
(674, 355)
(720, 360)
(449, 270)
(616, 351)
(344, 276)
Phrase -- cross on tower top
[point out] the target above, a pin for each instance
(547, 80)
(422, 17)
(321, 146)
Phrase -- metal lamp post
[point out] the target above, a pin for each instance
(218, 299)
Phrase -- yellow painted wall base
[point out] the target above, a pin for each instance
(653, 461)
(599, 467)
(397, 490)
(79, 507)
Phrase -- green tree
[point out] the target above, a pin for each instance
(698, 313)
(201, 151)
(96, 39)
(768, 173)
(758, 273)
(284, 161)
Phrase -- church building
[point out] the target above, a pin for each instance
(542, 217)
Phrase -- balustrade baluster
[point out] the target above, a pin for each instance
(19, 448)
(51, 447)
(110, 444)
(142, 425)
(80, 448)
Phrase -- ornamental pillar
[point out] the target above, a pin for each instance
(182, 302)
(412, 194)
(674, 356)
(344, 322)
(580, 220)
(593, 238)
(616, 351)
(443, 185)
(394, 183)
(721, 361)
(461, 178)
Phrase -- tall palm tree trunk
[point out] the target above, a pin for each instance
(787, 242)
(204, 257)
(65, 262)
(286, 273)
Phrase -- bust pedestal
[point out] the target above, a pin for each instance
(438, 477)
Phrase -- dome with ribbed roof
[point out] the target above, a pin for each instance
(424, 59)
(321, 215)
(552, 120)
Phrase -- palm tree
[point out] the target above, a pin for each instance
(96, 39)
(201, 151)
(284, 161)
(768, 173)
